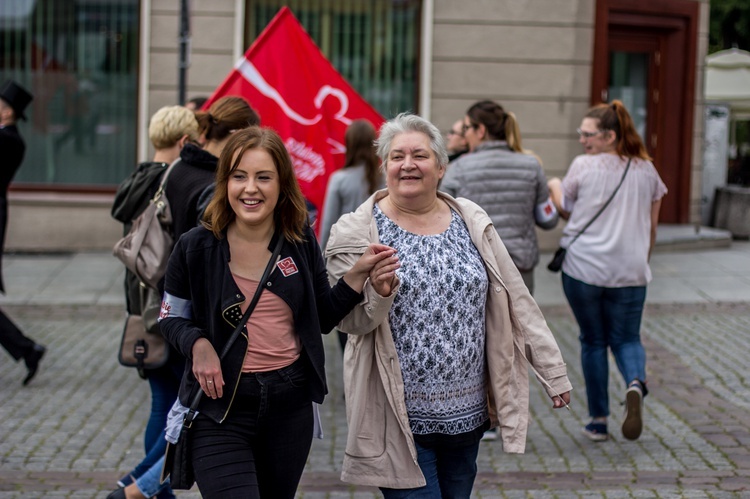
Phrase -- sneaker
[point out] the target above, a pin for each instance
(125, 481)
(490, 435)
(596, 432)
(632, 426)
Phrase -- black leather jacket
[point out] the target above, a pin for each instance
(202, 300)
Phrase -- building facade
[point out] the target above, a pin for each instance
(545, 60)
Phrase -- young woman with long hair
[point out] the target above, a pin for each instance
(605, 271)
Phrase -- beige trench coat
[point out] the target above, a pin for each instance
(380, 448)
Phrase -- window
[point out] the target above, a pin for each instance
(374, 44)
(79, 60)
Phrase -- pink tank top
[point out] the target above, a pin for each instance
(272, 341)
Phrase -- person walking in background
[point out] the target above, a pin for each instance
(606, 270)
(13, 101)
(508, 183)
(356, 181)
(353, 184)
(254, 427)
(438, 346)
(171, 128)
(455, 141)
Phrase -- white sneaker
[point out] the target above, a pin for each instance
(632, 426)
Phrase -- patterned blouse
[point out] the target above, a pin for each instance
(437, 321)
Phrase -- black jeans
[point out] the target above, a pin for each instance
(260, 449)
(13, 340)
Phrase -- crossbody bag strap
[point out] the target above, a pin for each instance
(266, 273)
(622, 179)
(163, 183)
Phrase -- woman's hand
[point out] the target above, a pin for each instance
(561, 401)
(374, 254)
(383, 275)
(207, 368)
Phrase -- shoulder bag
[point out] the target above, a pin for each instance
(145, 249)
(178, 465)
(556, 264)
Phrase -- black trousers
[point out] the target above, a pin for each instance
(260, 449)
(13, 340)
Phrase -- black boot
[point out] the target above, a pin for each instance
(32, 362)
(117, 494)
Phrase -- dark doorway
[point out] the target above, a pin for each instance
(644, 55)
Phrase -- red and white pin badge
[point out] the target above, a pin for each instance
(287, 266)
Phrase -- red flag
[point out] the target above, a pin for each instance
(298, 93)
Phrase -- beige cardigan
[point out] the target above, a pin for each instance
(380, 447)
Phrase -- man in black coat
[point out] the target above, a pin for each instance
(13, 100)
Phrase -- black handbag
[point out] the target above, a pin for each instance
(556, 264)
(178, 464)
(557, 260)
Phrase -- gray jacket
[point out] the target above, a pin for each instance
(508, 186)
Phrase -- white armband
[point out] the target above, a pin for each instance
(544, 212)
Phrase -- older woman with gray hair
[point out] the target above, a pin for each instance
(439, 346)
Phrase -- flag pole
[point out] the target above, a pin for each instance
(184, 50)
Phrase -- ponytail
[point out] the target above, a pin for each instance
(630, 144)
(512, 132)
(615, 117)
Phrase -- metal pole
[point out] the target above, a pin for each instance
(184, 63)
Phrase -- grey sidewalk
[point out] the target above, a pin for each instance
(79, 425)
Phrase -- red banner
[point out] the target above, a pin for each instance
(298, 93)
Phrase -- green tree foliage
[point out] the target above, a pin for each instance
(730, 25)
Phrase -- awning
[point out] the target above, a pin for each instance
(728, 80)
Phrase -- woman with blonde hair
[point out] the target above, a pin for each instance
(170, 130)
(611, 197)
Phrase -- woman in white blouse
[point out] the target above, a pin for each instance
(606, 269)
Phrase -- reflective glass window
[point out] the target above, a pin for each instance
(79, 59)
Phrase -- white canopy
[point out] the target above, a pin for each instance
(728, 80)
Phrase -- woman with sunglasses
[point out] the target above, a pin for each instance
(605, 272)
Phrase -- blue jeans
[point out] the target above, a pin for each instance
(149, 483)
(449, 472)
(165, 385)
(607, 318)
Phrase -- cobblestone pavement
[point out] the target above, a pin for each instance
(78, 426)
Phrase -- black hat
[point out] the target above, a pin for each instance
(16, 96)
